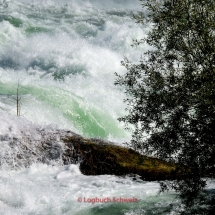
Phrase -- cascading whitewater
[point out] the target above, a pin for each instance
(64, 57)
(23, 143)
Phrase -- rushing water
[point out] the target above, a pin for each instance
(42, 189)
(64, 55)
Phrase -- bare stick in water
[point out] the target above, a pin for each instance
(18, 104)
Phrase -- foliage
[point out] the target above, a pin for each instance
(171, 91)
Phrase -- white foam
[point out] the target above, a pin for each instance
(43, 189)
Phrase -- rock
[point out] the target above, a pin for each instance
(100, 157)
(32, 144)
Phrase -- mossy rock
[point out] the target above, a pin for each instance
(100, 157)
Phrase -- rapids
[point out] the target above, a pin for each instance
(64, 55)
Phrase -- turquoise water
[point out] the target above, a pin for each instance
(64, 55)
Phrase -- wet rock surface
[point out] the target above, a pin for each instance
(98, 157)
(95, 156)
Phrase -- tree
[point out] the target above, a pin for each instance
(171, 91)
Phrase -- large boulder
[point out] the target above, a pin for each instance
(23, 143)
(98, 157)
